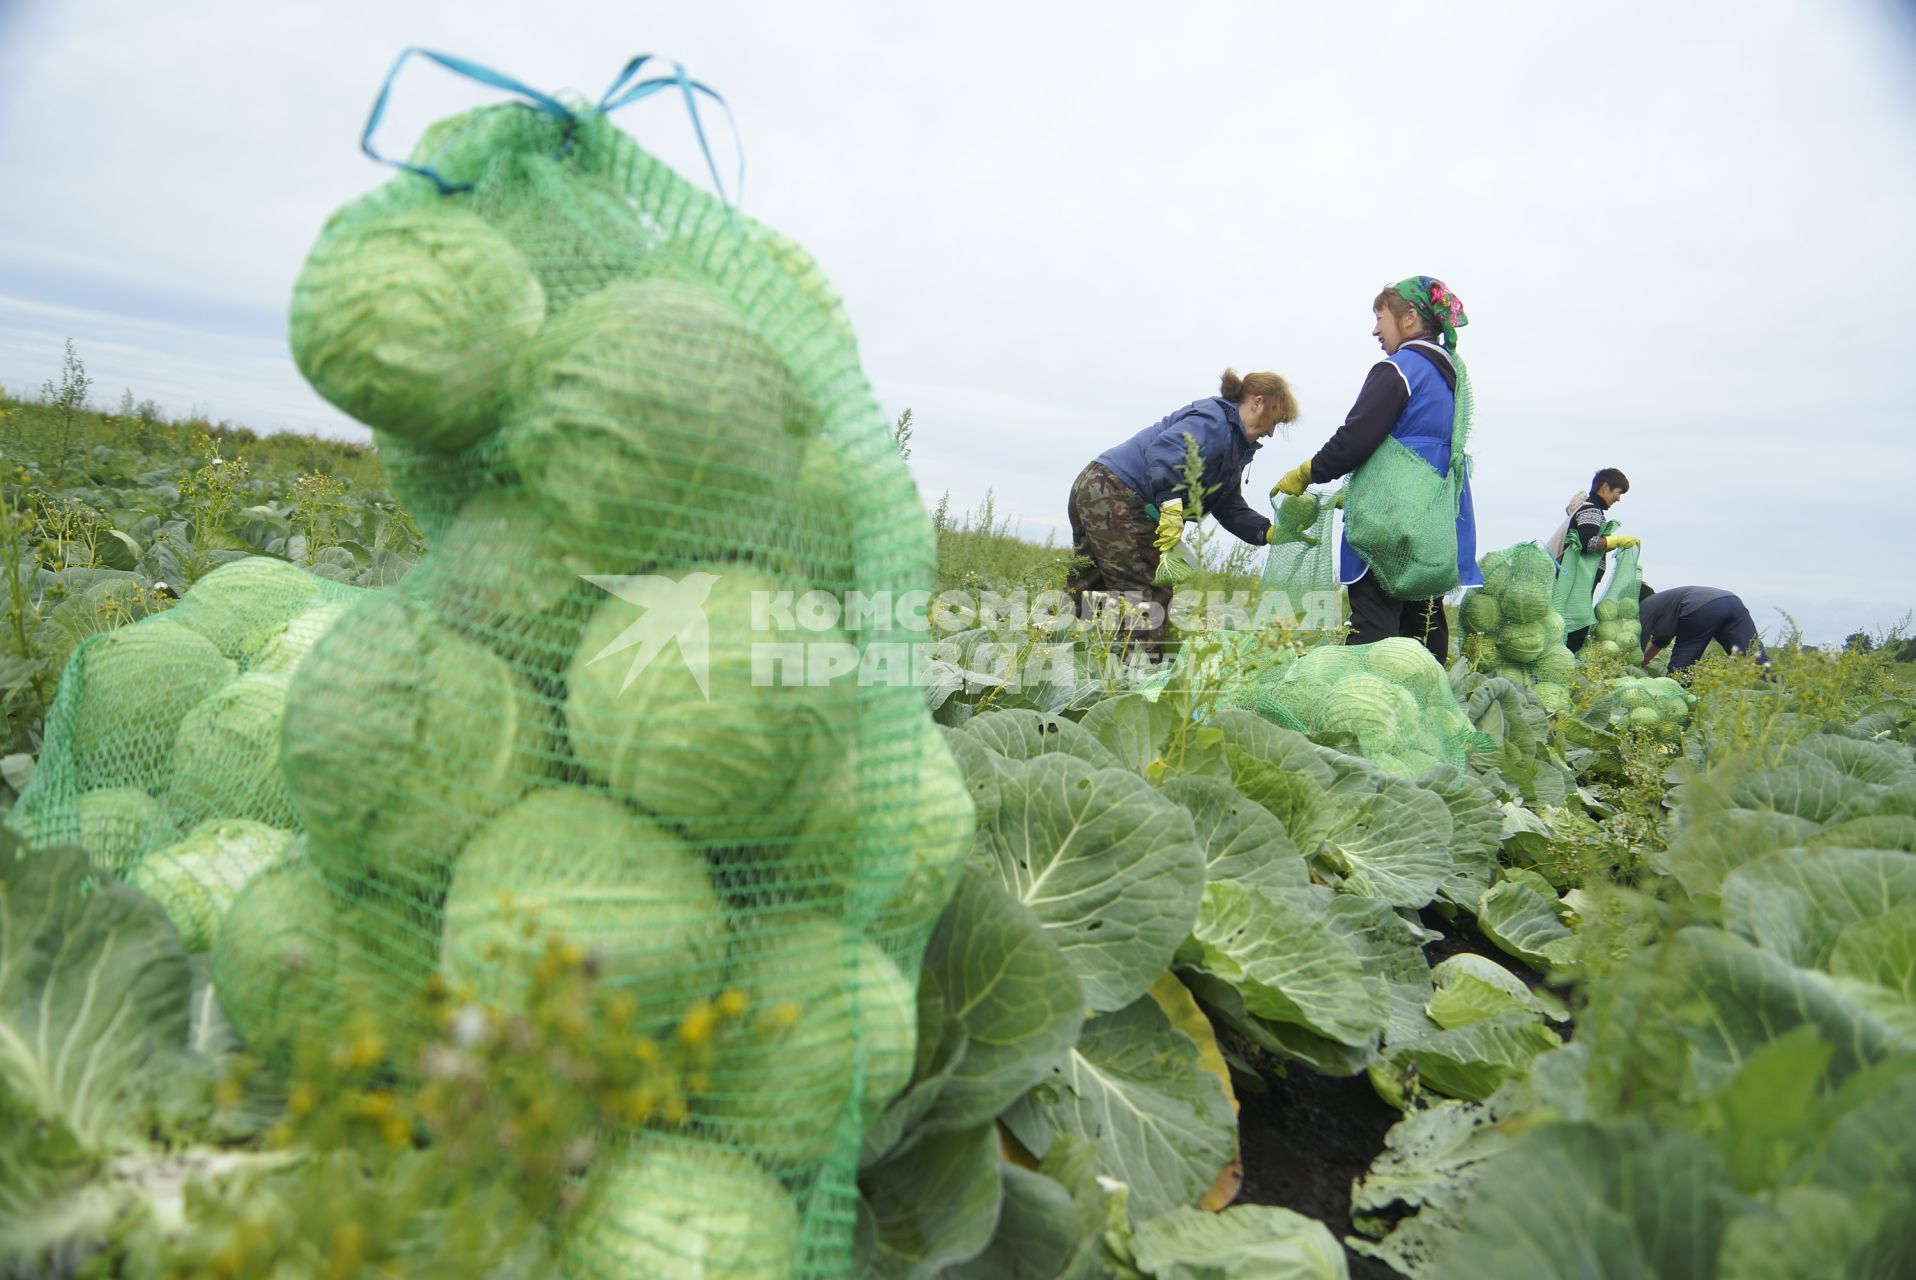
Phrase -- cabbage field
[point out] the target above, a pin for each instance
(1616, 994)
(448, 888)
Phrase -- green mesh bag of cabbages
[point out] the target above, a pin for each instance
(1301, 562)
(637, 703)
(1511, 629)
(1391, 696)
(174, 721)
(1400, 513)
(1616, 631)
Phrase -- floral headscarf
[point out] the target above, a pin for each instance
(1435, 304)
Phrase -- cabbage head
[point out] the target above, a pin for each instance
(1298, 510)
(280, 648)
(820, 528)
(119, 824)
(132, 688)
(656, 423)
(894, 830)
(578, 865)
(1606, 610)
(410, 320)
(401, 737)
(226, 757)
(727, 762)
(1554, 697)
(286, 965)
(1407, 663)
(1524, 643)
(1382, 715)
(676, 1209)
(1524, 602)
(887, 1030)
(782, 1077)
(1556, 665)
(1628, 608)
(804, 271)
(198, 879)
(1481, 613)
(500, 557)
(244, 596)
(463, 147)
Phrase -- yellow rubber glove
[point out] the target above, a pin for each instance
(1621, 542)
(1295, 481)
(1170, 524)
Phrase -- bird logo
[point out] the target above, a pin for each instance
(674, 613)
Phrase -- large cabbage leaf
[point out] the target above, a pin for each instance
(1243, 843)
(1794, 903)
(1248, 1242)
(1415, 1192)
(92, 982)
(931, 1206)
(1022, 734)
(1282, 770)
(1584, 1201)
(1286, 961)
(1038, 1229)
(1522, 917)
(1392, 845)
(1134, 1087)
(1746, 997)
(1004, 981)
(1132, 727)
(1111, 867)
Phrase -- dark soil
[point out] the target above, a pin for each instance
(1306, 1137)
(1303, 1142)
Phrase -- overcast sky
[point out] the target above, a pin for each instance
(1682, 230)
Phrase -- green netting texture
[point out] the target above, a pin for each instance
(1392, 697)
(1616, 631)
(598, 715)
(1657, 705)
(1302, 560)
(1511, 628)
(1571, 593)
(1400, 514)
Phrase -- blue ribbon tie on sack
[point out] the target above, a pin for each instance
(624, 91)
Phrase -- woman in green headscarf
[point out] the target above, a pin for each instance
(1410, 533)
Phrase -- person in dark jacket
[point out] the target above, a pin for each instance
(1128, 506)
(1691, 617)
(1410, 395)
(1583, 535)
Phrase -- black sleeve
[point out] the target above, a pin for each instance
(1366, 426)
(1231, 511)
(1587, 525)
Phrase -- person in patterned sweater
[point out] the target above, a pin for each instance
(1582, 533)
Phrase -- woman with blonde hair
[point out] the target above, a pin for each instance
(1128, 507)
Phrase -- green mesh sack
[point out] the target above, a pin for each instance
(175, 720)
(1400, 513)
(1570, 594)
(1391, 696)
(596, 715)
(1508, 622)
(1301, 563)
(1616, 628)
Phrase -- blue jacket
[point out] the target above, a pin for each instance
(1406, 396)
(1152, 463)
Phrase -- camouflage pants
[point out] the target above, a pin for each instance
(1114, 551)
